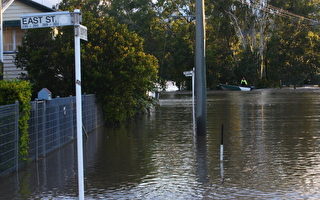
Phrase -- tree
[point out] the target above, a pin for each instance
(114, 64)
(49, 60)
(118, 69)
(293, 55)
(168, 35)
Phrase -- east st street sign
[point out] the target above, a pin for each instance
(42, 20)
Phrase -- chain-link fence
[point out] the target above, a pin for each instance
(52, 124)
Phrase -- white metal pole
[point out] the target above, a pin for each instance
(221, 144)
(78, 102)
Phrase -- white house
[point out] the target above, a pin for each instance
(12, 33)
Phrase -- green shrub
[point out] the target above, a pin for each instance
(11, 91)
(1, 70)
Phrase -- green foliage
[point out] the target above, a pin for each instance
(114, 64)
(1, 70)
(118, 69)
(179, 51)
(240, 42)
(291, 47)
(293, 54)
(49, 60)
(167, 34)
(248, 67)
(264, 83)
(11, 91)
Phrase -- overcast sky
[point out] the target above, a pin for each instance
(48, 3)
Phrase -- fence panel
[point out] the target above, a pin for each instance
(52, 125)
(9, 116)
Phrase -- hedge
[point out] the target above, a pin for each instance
(10, 92)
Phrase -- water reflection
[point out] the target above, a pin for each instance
(201, 159)
(271, 150)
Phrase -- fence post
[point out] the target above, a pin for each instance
(36, 129)
(17, 114)
(84, 111)
(71, 115)
(44, 121)
(58, 124)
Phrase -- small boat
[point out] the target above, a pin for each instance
(234, 87)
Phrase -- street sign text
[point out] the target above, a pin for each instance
(42, 20)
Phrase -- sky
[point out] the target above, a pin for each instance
(48, 3)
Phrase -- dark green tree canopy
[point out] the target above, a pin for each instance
(114, 64)
(242, 40)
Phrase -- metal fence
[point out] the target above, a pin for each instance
(9, 116)
(52, 124)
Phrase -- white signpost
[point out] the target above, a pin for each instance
(192, 74)
(54, 19)
(83, 33)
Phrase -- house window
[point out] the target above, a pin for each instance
(12, 38)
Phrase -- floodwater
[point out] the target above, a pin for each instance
(271, 151)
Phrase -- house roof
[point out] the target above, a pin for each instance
(30, 3)
(4, 2)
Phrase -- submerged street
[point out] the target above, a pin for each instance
(272, 145)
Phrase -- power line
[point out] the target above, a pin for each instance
(275, 10)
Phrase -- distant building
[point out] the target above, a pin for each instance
(12, 33)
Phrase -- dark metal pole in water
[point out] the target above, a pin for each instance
(221, 144)
(200, 82)
(221, 155)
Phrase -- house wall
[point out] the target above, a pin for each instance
(13, 13)
(10, 71)
(17, 9)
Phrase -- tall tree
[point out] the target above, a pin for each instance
(167, 29)
(115, 66)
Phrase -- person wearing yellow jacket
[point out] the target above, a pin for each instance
(243, 82)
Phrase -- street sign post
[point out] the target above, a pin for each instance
(55, 19)
(188, 74)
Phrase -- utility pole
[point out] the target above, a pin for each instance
(200, 81)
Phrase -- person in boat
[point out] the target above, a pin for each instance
(243, 82)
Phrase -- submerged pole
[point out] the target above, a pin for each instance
(221, 144)
(200, 79)
(221, 156)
